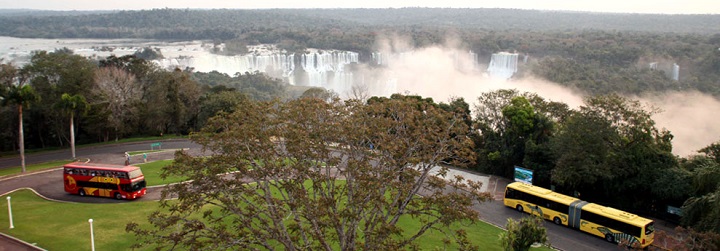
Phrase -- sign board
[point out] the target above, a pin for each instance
(153, 145)
(523, 175)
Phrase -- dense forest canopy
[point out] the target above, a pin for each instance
(240, 21)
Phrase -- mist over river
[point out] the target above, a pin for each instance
(440, 72)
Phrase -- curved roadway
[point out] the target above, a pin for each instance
(48, 184)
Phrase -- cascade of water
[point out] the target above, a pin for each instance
(503, 65)
(323, 68)
(318, 65)
(281, 64)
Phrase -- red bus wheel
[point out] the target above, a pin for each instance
(118, 196)
(81, 192)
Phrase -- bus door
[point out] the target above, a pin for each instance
(574, 214)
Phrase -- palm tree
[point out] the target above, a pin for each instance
(16, 92)
(69, 104)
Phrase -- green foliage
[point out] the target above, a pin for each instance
(701, 210)
(611, 146)
(223, 101)
(173, 102)
(138, 67)
(148, 53)
(458, 106)
(702, 213)
(508, 122)
(24, 95)
(522, 234)
(583, 148)
(51, 75)
(712, 151)
(520, 115)
(672, 186)
(235, 47)
(304, 202)
(72, 103)
(255, 85)
(319, 93)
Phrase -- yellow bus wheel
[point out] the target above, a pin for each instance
(557, 221)
(610, 238)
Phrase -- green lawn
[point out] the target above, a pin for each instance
(152, 172)
(34, 167)
(64, 226)
(38, 221)
(482, 234)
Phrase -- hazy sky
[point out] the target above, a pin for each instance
(632, 6)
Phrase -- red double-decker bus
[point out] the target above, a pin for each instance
(105, 180)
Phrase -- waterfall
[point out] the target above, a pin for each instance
(377, 58)
(278, 65)
(503, 65)
(327, 69)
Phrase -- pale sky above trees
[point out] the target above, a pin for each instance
(639, 6)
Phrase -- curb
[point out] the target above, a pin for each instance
(38, 194)
(20, 175)
(28, 245)
(13, 176)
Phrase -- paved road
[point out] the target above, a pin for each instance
(47, 184)
(102, 154)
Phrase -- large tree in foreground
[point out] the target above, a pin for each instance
(312, 175)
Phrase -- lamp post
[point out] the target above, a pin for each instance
(92, 236)
(10, 213)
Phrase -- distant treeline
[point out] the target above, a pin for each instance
(237, 22)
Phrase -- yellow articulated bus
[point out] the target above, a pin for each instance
(606, 222)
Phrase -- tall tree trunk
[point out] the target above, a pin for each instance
(72, 135)
(22, 139)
